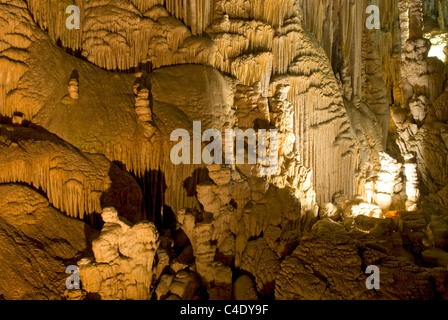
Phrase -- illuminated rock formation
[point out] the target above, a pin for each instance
(386, 183)
(140, 39)
(123, 262)
(358, 174)
(73, 182)
(240, 203)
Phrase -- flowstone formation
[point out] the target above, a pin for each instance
(338, 113)
(123, 259)
(37, 244)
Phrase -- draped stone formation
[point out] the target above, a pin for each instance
(358, 174)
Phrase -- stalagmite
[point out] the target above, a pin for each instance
(386, 181)
(143, 109)
(344, 163)
(412, 190)
(124, 255)
(217, 277)
(73, 89)
(419, 133)
(248, 68)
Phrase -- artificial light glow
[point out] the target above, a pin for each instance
(437, 51)
(438, 44)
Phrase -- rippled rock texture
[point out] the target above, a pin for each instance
(349, 96)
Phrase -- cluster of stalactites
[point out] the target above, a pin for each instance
(15, 40)
(73, 186)
(255, 41)
(51, 16)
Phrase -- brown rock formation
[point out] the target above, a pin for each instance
(345, 153)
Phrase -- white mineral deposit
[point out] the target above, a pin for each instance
(223, 150)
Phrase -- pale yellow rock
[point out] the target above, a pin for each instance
(385, 182)
(73, 89)
(207, 198)
(124, 257)
(105, 247)
(329, 210)
(327, 226)
(177, 266)
(331, 267)
(357, 207)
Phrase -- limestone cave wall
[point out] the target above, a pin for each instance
(354, 91)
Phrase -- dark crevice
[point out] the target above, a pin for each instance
(76, 53)
(153, 208)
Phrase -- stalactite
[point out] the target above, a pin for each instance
(340, 29)
(274, 12)
(325, 122)
(145, 5)
(73, 182)
(52, 16)
(15, 40)
(286, 44)
(374, 91)
(311, 81)
(197, 14)
(254, 68)
(251, 40)
(442, 11)
(344, 24)
(308, 68)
